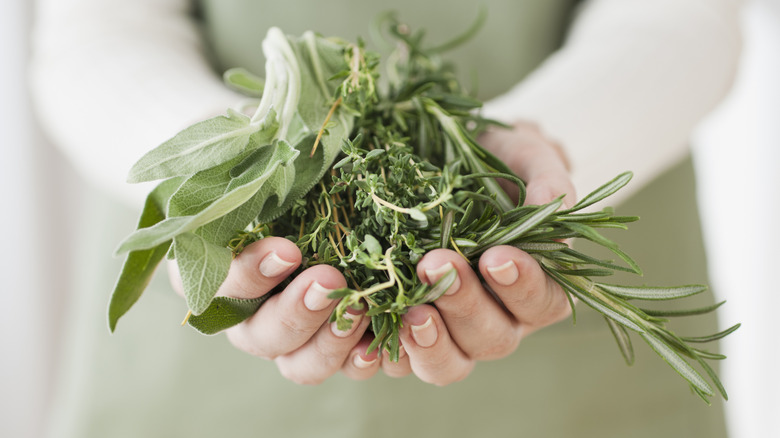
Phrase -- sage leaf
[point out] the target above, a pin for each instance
(225, 312)
(203, 267)
(139, 266)
(273, 192)
(201, 146)
(236, 192)
(243, 81)
(317, 59)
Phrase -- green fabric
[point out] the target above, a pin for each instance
(516, 37)
(156, 379)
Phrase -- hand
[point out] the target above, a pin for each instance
(469, 323)
(291, 328)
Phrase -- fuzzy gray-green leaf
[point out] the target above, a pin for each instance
(139, 266)
(201, 146)
(203, 267)
(236, 192)
(225, 312)
(243, 81)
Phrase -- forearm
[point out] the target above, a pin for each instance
(629, 85)
(136, 69)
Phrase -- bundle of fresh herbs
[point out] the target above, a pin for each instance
(369, 178)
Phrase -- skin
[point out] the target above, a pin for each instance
(441, 344)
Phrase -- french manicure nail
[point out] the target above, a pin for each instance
(425, 334)
(361, 363)
(273, 265)
(316, 297)
(505, 274)
(344, 333)
(434, 275)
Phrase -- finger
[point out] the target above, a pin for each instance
(474, 319)
(545, 174)
(289, 319)
(526, 291)
(536, 159)
(359, 364)
(399, 368)
(260, 267)
(433, 355)
(324, 354)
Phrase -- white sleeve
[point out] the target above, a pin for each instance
(630, 83)
(135, 69)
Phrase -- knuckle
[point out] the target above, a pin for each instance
(464, 314)
(240, 339)
(452, 376)
(296, 327)
(557, 309)
(498, 347)
(297, 376)
(329, 359)
(395, 369)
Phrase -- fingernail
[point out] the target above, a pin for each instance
(316, 297)
(425, 334)
(361, 363)
(273, 266)
(344, 333)
(435, 274)
(505, 274)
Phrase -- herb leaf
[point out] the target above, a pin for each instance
(198, 147)
(225, 312)
(243, 81)
(236, 191)
(203, 267)
(139, 266)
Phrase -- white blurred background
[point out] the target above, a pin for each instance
(737, 155)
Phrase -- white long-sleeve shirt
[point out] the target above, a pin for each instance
(624, 92)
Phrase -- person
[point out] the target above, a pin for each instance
(616, 81)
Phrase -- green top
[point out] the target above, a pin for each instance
(155, 379)
(515, 38)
